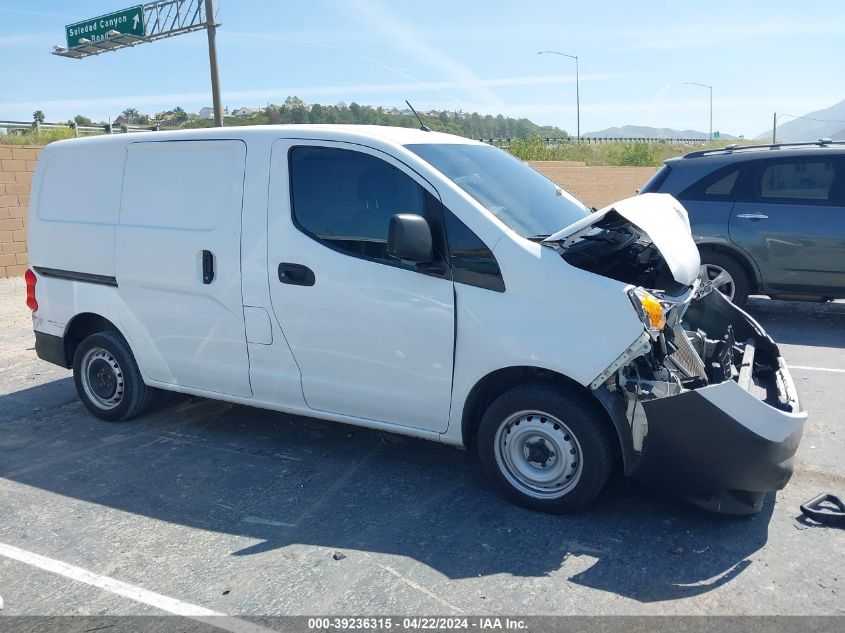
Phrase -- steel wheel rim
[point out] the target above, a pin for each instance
(102, 378)
(720, 278)
(538, 454)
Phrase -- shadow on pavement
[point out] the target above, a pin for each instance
(36, 399)
(800, 322)
(288, 480)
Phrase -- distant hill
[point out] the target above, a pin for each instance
(831, 125)
(643, 131)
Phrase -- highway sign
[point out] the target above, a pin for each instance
(126, 22)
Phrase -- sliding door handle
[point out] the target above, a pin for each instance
(296, 274)
(753, 216)
(207, 267)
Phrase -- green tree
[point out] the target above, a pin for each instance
(297, 111)
(38, 116)
(131, 115)
(82, 120)
(298, 114)
(179, 114)
(316, 114)
(272, 113)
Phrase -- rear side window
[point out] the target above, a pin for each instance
(723, 186)
(803, 181)
(345, 199)
(720, 185)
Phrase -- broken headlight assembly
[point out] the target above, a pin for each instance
(650, 310)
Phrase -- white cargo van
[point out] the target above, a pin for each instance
(413, 282)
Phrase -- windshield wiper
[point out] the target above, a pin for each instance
(539, 238)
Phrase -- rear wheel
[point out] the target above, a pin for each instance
(545, 447)
(727, 276)
(107, 378)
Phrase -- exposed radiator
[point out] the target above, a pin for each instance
(685, 357)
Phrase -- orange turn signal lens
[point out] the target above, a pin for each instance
(654, 311)
(649, 308)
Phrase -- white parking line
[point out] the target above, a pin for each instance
(120, 588)
(836, 371)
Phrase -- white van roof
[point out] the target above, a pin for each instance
(373, 134)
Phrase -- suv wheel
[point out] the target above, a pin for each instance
(727, 276)
(545, 448)
(107, 378)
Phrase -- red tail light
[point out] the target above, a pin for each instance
(30, 278)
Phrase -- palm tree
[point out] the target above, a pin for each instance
(131, 115)
(38, 117)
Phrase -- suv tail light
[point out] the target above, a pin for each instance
(31, 279)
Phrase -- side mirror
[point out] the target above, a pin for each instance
(409, 238)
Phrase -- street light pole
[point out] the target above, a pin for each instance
(211, 29)
(693, 83)
(577, 89)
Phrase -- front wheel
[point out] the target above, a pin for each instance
(107, 378)
(545, 447)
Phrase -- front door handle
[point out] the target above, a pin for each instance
(207, 267)
(753, 216)
(296, 274)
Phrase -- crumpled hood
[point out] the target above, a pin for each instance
(663, 219)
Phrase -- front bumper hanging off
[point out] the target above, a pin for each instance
(720, 446)
(725, 445)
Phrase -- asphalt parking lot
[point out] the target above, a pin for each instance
(248, 512)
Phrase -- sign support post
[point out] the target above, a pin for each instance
(149, 22)
(211, 29)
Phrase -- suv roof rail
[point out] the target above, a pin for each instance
(729, 149)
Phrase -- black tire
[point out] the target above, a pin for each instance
(111, 374)
(741, 282)
(580, 419)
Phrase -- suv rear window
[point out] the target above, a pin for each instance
(656, 181)
(722, 184)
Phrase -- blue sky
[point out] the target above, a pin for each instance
(761, 57)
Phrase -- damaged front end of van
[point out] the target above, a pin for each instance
(702, 399)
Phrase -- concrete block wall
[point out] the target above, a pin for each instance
(16, 166)
(596, 186)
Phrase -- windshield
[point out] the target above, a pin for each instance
(522, 198)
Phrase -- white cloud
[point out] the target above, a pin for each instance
(408, 41)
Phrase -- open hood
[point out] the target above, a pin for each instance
(657, 218)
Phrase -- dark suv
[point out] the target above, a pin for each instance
(768, 219)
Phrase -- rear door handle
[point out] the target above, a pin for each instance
(296, 274)
(207, 267)
(753, 216)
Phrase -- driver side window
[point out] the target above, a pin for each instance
(345, 199)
